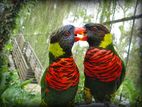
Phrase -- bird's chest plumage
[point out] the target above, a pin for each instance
(102, 65)
(62, 74)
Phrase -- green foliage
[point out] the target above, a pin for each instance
(8, 15)
(7, 23)
(24, 83)
(105, 13)
(15, 95)
(5, 80)
(5, 73)
(131, 87)
(129, 93)
(37, 23)
(130, 90)
(8, 47)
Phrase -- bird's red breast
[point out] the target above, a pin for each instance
(102, 64)
(62, 74)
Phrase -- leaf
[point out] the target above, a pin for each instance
(8, 47)
(26, 82)
(16, 96)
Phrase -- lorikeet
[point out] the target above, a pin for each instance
(103, 68)
(60, 80)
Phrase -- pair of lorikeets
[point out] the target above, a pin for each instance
(103, 68)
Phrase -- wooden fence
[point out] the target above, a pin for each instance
(25, 59)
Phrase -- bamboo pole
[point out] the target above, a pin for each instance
(130, 39)
(123, 19)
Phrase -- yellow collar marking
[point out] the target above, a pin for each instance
(107, 40)
(56, 50)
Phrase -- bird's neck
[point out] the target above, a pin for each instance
(52, 58)
(109, 47)
(56, 52)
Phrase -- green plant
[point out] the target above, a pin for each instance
(15, 95)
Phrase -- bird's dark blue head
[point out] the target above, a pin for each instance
(97, 34)
(62, 40)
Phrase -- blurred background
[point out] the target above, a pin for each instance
(31, 23)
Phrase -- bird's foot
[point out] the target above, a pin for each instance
(87, 95)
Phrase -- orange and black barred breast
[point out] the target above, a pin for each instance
(102, 65)
(62, 74)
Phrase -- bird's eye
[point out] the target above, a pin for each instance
(85, 32)
(67, 33)
(94, 29)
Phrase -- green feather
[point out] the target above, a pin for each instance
(56, 49)
(107, 40)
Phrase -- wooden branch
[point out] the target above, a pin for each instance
(130, 39)
(96, 105)
(124, 19)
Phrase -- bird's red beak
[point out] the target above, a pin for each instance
(80, 34)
